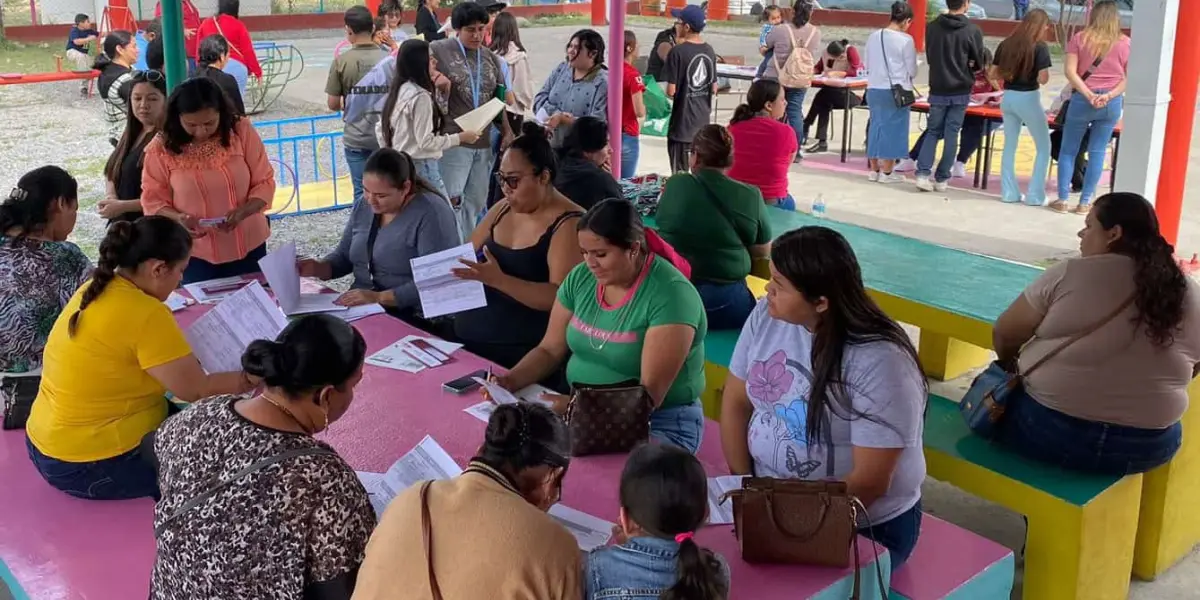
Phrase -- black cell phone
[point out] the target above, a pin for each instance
(465, 383)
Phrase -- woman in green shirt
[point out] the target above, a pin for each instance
(626, 314)
(719, 225)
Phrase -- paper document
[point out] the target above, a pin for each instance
(219, 337)
(482, 411)
(177, 302)
(591, 532)
(479, 119)
(718, 513)
(542, 116)
(355, 313)
(499, 395)
(215, 290)
(394, 357)
(426, 461)
(370, 482)
(279, 267)
(213, 222)
(441, 292)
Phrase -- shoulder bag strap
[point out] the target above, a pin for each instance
(427, 539)
(795, 44)
(1079, 336)
(883, 50)
(1095, 65)
(254, 468)
(217, 22)
(371, 235)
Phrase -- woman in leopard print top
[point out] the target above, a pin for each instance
(297, 528)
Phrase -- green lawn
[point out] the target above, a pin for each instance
(27, 58)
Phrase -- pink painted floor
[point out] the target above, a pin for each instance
(58, 547)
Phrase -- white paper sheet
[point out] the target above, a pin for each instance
(590, 532)
(213, 222)
(482, 411)
(215, 290)
(394, 357)
(441, 292)
(440, 344)
(534, 393)
(279, 268)
(542, 116)
(177, 302)
(355, 313)
(371, 483)
(498, 394)
(428, 460)
(219, 337)
(481, 118)
(721, 514)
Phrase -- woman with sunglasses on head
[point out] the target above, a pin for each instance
(209, 163)
(488, 529)
(123, 171)
(578, 86)
(824, 385)
(627, 314)
(303, 521)
(527, 244)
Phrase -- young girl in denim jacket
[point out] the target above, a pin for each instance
(663, 501)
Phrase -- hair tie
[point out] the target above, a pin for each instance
(18, 195)
(685, 536)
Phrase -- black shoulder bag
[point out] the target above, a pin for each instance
(1061, 116)
(901, 96)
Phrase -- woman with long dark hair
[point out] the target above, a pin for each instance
(123, 171)
(824, 385)
(578, 86)
(1111, 401)
(1022, 62)
(213, 56)
(412, 117)
(664, 501)
(115, 64)
(427, 23)
(506, 43)
(763, 150)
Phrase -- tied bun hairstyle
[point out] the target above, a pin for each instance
(312, 352)
(398, 168)
(128, 245)
(535, 146)
(713, 147)
(29, 206)
(586, 134)
(523, 436)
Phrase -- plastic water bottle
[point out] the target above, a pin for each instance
(818, 207)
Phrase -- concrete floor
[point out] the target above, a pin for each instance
(963, 219)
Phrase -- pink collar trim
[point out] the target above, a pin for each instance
(637, 284)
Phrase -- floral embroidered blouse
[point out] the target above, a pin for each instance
(207, 181)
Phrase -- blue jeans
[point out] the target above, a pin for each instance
(630, 149)
(762, 66)
(681, 426)
(125, 476)
(1046, 435)
(429, 170)
(1102, 121)
(727, 305)
(795, 111)
(898, 535)
(202, 270)
(465, 172)
(1024, 108)
(946, 115)
(356, 160)
(786, 203)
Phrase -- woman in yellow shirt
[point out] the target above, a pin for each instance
(111, 355)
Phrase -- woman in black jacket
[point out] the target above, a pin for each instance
(212, 57)
(584, 164)
(427, 22)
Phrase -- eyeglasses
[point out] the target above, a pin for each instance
(510, 181)
(150, 75)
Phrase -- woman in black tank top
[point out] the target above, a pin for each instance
(527, 245)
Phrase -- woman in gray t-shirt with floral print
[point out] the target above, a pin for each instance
(824, 385)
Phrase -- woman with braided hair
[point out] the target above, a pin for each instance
(111, 356)
(1119, 331)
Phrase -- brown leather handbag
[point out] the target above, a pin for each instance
(791, 521)
(608, 419)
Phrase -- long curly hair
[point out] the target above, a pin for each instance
(1160, 287)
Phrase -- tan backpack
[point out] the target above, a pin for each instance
(797, 70)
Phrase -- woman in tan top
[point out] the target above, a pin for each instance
(1111, 401)
(491, 536)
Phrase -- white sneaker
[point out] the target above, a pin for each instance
(905, 166)
(959, 171)
(925, 184)
(940, 186)
(873, 176)
(892, 177)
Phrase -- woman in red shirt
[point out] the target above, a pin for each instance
(841, 60)
(764, 146)
(633, 108)
(191, 24)
(226, 23)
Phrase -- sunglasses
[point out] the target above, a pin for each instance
(151, 76)
(509, 181)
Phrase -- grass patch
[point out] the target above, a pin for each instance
(16, 57)
(713, 26)
(559, 20)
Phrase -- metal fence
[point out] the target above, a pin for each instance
(307, 151)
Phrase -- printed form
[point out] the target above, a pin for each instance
(427, 461)
(219, 337)
(441, 292)
(279, 268)
(590, 532)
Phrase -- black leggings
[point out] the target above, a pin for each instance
(824, 103)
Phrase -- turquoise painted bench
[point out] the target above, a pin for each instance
(951, 563)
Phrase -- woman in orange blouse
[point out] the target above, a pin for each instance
(210, 164)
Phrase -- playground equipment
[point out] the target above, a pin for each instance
(281, 64)
(310, 167)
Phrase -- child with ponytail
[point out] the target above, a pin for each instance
(664, 500)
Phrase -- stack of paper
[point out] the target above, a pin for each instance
(219, 337)
(363, 311)
(177, 302)
(441, 292)
(721, 513)
(404, 356)
(481, 118)
(590, 532)
(279, 267)
(428, 460)
(483, 411)
(215, 290)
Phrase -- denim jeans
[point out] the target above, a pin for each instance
(899, 535)
(795, 111)
(465, 172)
(970, 138)
(429, 170)
(1080, 117)
(681, 426)
(762, 66)
(946, 115)
(640, 569)
(630, 149)
(1024, 108)
(727, 305)
(786, 203)
(125, 476)
(1020, 7)
(356, 160)
(1047, 435)
(202, 270)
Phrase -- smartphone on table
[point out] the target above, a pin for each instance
(465, 383)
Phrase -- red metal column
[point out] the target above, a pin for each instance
(718, 10)
(917, 31)
(1181, 116)
(600, 12)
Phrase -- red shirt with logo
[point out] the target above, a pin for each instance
(631, 83)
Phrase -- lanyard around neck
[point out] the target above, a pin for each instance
(475, 77)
